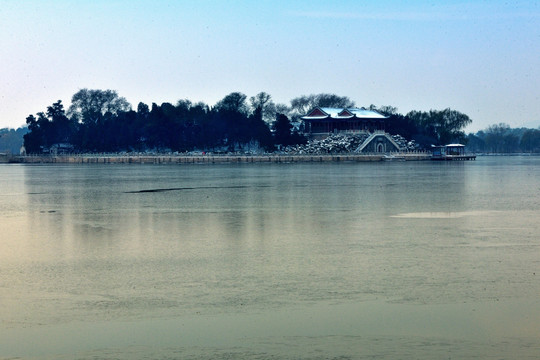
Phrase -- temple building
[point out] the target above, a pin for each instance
(369, 125)
(323, 121)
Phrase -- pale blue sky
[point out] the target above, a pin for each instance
(478, 57)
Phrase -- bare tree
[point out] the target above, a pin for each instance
(264, 101)
(302, 104)
(235, 101)
(89, 106)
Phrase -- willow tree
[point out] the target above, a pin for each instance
(442, 126)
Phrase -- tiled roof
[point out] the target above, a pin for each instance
(320, 113)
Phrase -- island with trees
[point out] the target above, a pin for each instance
(101, 121)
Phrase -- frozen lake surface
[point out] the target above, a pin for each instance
(406, 260)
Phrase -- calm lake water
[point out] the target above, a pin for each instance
(408, 260)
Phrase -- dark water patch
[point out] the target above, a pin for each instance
(193, 188)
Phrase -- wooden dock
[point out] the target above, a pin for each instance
(454, 157)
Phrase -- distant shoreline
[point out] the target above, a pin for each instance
(205, 159)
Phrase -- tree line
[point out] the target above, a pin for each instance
(12, 139)
(103, 121)
(501, 138)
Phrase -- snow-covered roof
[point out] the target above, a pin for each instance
(320, 113)
(454, 145)
(332, 112)
(364, 113)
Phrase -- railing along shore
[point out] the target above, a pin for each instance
(113, 158)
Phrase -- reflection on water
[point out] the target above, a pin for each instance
(441, 215)
(271, 260)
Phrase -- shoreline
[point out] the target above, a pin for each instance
(208, 159)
